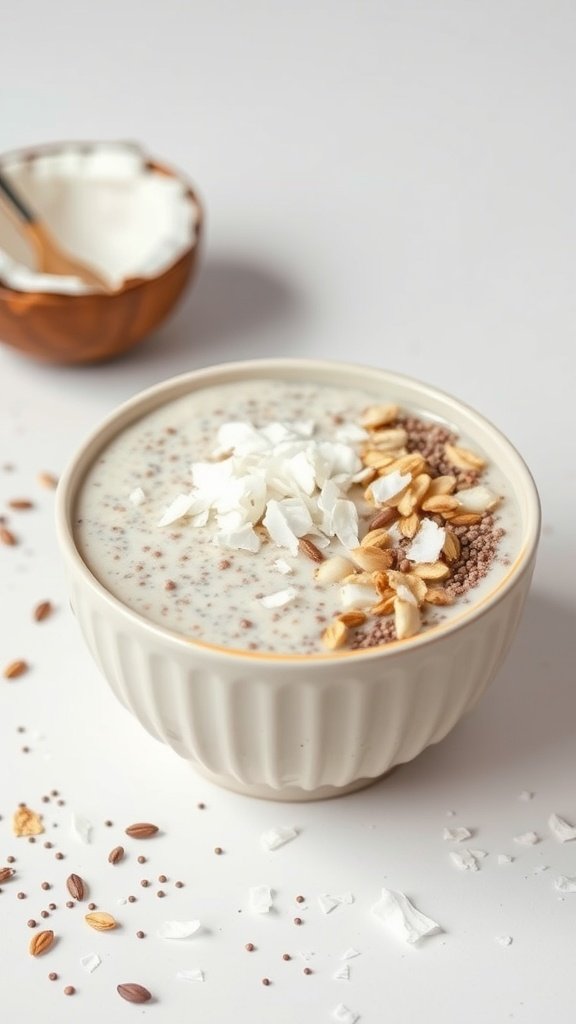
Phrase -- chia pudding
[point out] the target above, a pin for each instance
(295, 518)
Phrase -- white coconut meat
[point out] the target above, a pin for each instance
(103, 204)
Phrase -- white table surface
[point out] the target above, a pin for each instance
(388, 182)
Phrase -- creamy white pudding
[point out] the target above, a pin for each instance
(294, 517)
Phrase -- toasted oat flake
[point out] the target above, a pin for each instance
(527, 839)
(344, 1015)
(561, 829)
(402, 918)
(456, 835)
(276, 837)
(26, 822)
(428, 543)
(80, 829)
(280, 598)
(260, 899)
(193, 974)
(178, 929)
(90, 962)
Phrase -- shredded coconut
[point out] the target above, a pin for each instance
(561, 829)
(565, 884)
(260, 897)
(343, 1015)
(90, 962)
(402, 918)
(178, 929)
(456, 835)
(280, 598)
(343, 973)
(527, 839)
(428, 542)
(191, 975)
(137, 496)
(80, 829)
(276, 837)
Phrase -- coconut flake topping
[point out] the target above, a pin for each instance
(278, 474)
(402, 918)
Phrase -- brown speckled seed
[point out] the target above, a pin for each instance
(160, 893)
(91, 906)
(144, 883)
(250, 947)
(69, 990)
(140, 935)
(286, 956)
(179, 885)
(307, 970)
(265, 981)
(141, 859)
(218, 850)
(300, 899)
(298, 920)
(162, 878)
(32, 923)
(53, 976)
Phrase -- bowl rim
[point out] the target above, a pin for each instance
(14, 295)
(158, 394)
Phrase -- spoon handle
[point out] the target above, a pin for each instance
(16, 201)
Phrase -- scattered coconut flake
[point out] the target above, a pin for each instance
(276, 837)
(565, 884)
(405, 594)
(563, 831)
(357, 595)
(428, 542)
(90, 962)
(80, 828)
(345, 523)
(395, 910)
(177, 509)
(540, 869)
(178, 929)
(479, 853)
(350, 953)
(243, 539)
(343, 1015)
(504, 940)
(282, 566)
(456, 835)
(279, 599)
(527, 839)
(343, 973)
(191, 975)
(525, 795)
(137, 496)
(386, 487)
(477, 499)
(260, 897)
(328, 902)
(122, 900)
(351, 433)
(464, 860)
(504, 858)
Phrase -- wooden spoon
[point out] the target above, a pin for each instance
(52, 259)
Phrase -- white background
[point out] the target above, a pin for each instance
(387, 182)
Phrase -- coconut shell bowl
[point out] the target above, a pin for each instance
(136, 223)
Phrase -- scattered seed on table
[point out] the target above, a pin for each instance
(45, 799)
(162, 878)
(61, 803)
(141, 859)
(307, 970)
(59, 856)
(54, 792)
(48, 845)
(42, 610)
(298, 920)
(250, 947)
(21, 895)
(20, 504)
(47, 480)
(70, 904)
(7, 537)
(201, 807)
(131, 899)
(160, 893)
(218, 850)
(286, 956)
(265, 981)
(108, 823)
(51, 906)
(45, 885)
(91, 906)
(15, 669)
(44, 913)
(144, 883)
(32, 923)
(300, 899)
(140, 935)
(10, 860)
(53, 976)
(179, 885)
(69, 990)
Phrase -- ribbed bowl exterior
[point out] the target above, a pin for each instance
(296, 731)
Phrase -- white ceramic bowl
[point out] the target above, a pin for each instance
(300, 727)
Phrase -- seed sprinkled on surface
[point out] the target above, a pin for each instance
(265, 981)
(141, 859)
(218, 850)
(201, 806)
(21, 895)
(133, 993)
(53, 976)
(32, 923)
(69, 990)
(70, 904)
(160, 893)
(250, 947)
(59, 856)
(116, 855)
(41, 943)
(48, 480)
(298, 920)
(144, 883)
(44, 913)
(307, 970)
(51, 906)
(179, 885)
(286, 956)
(141, 830)
(15, 668)
(300, 899)
(76, 887)
(5, 874)
(162, 878)
(7, 537)
(140, 935)
(91, 906)
(45, 885)
(42, 610)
